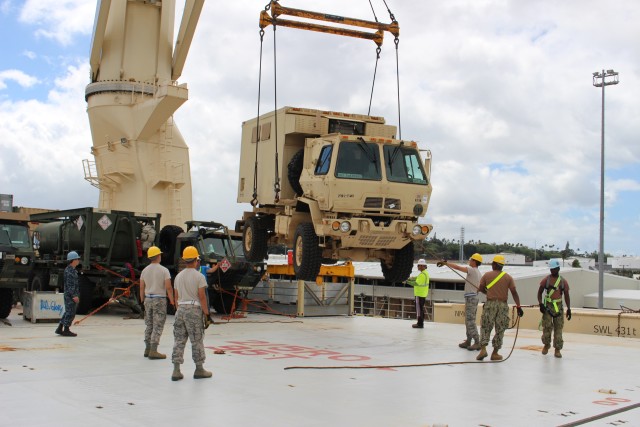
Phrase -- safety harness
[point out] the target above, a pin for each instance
(551, 289)
(494, 281)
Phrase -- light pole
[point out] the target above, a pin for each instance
(600, 80)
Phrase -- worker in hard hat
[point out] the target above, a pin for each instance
(190, 296)
(155, 287)
(470, 298)
(420, 291)
(71, 295)
(496, 284)
(551, 307)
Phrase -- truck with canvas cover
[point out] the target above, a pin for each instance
(16, 258)
(216, 244)
(341, 187)
(112, 246)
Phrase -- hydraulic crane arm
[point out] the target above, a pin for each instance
(277, 10)
(190, 17)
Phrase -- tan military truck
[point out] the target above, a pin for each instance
(332, 186)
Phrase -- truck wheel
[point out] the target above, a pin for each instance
(294, 170)
(254, 240)
(6, 301)
(86, 295)
(222, 302)
(307, 255)
(39, 282)
(168, 236)
(400, 269)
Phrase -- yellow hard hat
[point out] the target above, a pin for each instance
(477, 257)
(499, 259)
(190, 252)
(153, 251)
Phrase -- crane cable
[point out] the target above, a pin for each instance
(254, 200)
(421, 365)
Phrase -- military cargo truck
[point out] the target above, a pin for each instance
(216, 244)
(107, 241)
(332, 186)
(16, 258)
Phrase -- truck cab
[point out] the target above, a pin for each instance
(16, 258)
(216, 244)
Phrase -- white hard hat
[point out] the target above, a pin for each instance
(421, 261)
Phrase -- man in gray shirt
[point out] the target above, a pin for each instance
(470, 298)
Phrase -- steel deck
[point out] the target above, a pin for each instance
(100, 378)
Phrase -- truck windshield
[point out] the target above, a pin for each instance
(18, 235)
(403, 164)
(358, 160)
(218, 247)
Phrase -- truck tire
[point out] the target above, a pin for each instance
(87, 288)
(307, 255)
(167, 241)
(222, 302)
(402, 265)
(6, 301)
(294, 170)
(254, 240)
(40, 282)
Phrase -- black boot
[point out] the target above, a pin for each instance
(68, 333)
(59, 330)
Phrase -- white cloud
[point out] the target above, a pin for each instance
(17, 76)
(62, 20)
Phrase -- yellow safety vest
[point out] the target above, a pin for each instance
(420, 284)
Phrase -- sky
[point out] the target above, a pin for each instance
(500, 91)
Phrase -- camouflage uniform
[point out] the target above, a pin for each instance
(188, 325)
(495, 313)
(155, 315)
(555, 324)
(470, 312)
(71, 290)
(188, 322)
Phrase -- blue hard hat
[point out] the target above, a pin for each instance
(554, 263)
(72, 255)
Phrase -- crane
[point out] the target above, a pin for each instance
(141, 161)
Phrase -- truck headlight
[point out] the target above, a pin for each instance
(24, 260)
(416, 230)
(345, 226)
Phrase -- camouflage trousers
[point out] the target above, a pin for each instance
(494, 314)
(155, 314)
(69, 311)
(470, 311)
(555, 325)
(189, 325)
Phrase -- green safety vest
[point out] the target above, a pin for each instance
(494, 281)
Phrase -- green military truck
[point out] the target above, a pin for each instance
(112, 246)
(16, 258)
(216, 244)
(113, 249)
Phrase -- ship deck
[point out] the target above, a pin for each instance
(101, 378)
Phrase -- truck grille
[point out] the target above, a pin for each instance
(392, 204)
(373, 203)
(377, 203)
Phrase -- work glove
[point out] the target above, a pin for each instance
(208, 320)
(441, 263)
(542, 308)
(568, 314)
(520, 312)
